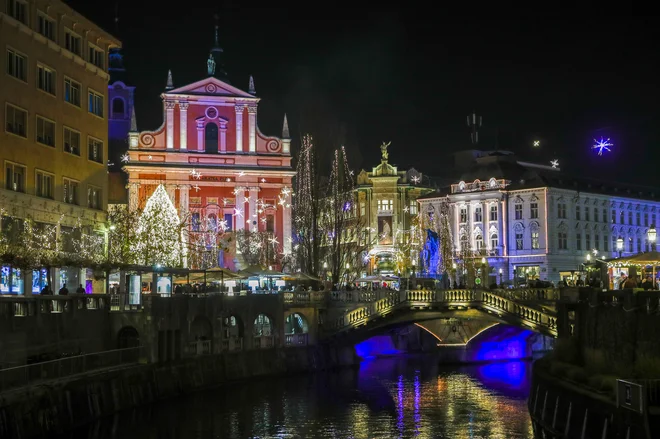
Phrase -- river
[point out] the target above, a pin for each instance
(402, 397)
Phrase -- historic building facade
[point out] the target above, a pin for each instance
(214, 162)
(54, 144)
(534, 222)
(388, 201)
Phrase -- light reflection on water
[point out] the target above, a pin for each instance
(386, 398)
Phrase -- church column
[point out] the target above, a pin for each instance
(239, 219)
(169, 115)
(183, 125)
(223, 136)
(484, 220)
(133, 190)
(200, 135)
(170, 189)
(254, 194)
(184, 200)
(252, 127)
(239, 127)
(286, 229)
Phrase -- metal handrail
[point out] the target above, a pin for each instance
(18, 376)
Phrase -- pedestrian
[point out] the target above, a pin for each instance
(64, 291)
(80, 290)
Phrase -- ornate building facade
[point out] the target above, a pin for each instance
(531, 221)
(388, 200)
(214, 162)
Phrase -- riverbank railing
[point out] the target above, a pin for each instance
(31, 374)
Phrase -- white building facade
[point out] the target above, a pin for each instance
(543, 225)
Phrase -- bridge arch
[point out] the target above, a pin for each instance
(263, 326)
(200, 338)
(296, 323)
(128, 337)
(233, 333)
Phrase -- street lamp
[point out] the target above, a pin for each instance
(652, 236)
(619, 245)
(501, 272)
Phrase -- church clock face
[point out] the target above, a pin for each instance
(211, 113)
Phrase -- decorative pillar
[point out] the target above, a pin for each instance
(133, 190)
(240, 204)
(184, 198)
(170, 189)
(252, 127)
(200, 135)
(485, 218)
(169, 117)
(223, 135)
(286, 229)
(183, 125)
(239, 127)
(254, 217)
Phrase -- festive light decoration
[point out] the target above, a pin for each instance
(415, 179)
(125, 158)
(159, 232)
(537, 143)
(602, 145)
(554, 163)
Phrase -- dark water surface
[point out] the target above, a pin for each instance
(405, 397)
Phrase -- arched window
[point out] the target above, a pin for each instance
(211, 138)
(479, 240)
(118, 107)
(213, 223)
(494, 241)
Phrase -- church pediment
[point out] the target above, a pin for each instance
(211, 87)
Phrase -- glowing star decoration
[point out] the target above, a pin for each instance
(263, 180)
(595, 252)
(237, 211)
(240, 174)
(196, 188)
(602, 145)
(554, 163)
(150, 157)
(537, 143)
(415, 179)
(125, 158)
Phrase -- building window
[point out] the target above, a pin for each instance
(613, 216)
(587, 241)
(478, 217)
(630, 245)
(412, 207)
(518, 211)
(45, 183)
(72, 42)
(93, 197)
(18, 10)
(46, 26)
(561, 211)
(587, 217)
(519, 241)
(196, 222)
(118, 108)
(14, 177)
(646, 219)
(72, 92)
(229, 218)
(638, 218)
(95, 150)
(606, 243)
(596, 214)
(95, 104)
(479, 241)
(577, 213)
(45, 131)
(494, 241)
(363, 209)
(578, 241)
(630, 221)
(534, 210)
(16, 65)
(71, 141)
(562, 241)
(604, 215)
(385, 205)
(535, 240)
(96, 56)
(46, 79)
(270, 223)
(639, 245)
(16, 120)
(597, 241)
(653, 219)
(621, 217)
(463, 215)
(493, 212)
(71, 188)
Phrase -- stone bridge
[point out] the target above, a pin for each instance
(366, 313)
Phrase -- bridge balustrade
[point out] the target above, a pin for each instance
(26, 306)
(263, 342)
(199, 347)
(232, 344)
(296, 339)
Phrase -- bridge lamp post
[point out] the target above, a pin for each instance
(619, 245)
(501, 273)
(651, 234)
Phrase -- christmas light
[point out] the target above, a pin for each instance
(602, 145)
(537, 143)
(554, 163)
(125, 158)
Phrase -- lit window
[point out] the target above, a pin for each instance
(412, 207)
(95, 150)
(535, 240)
(519, 241)
(45, 185)
(94, 197)
(14, 177)
(71, 189)
(71, 141)
(95, 103)
(72, 92)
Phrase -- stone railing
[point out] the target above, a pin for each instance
(296, 339)
(232, 344)
(22, 306)
(303, 297)
(511, 309)
(263, 342)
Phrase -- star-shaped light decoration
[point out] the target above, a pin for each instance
(196, 188)
(150, 157)
(237, 211)
(125, 158)
(406, 209)
(537, 143)
(602, 145)
(595, 252)
(195, 174)
(263, 180)
(415, 179)
(240, 174)
(554, 163)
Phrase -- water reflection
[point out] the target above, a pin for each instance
(385, 398)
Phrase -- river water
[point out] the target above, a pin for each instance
(402, 397)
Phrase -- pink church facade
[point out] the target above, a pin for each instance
(215, 163)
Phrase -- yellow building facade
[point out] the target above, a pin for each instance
(53, 104)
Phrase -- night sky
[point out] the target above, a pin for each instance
(394, 75)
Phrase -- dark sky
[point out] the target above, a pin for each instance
(396, 75)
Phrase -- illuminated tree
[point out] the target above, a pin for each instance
(258, 248)
(408, 245)
(122, 235)
(206, 239)
(159, 234)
